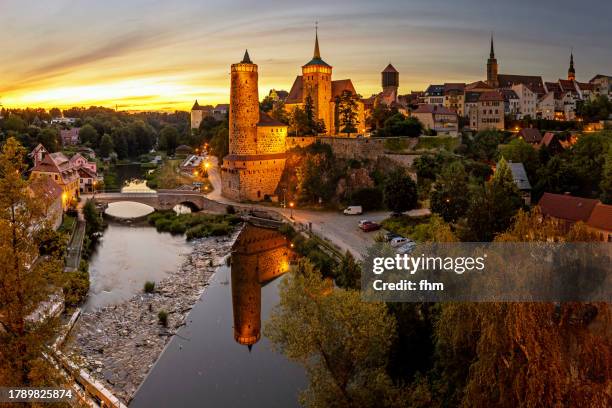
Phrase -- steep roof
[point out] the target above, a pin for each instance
(341, 85)
(196, 106)
(296, 92)
(477, 85)
(601, 217)
(508, 94)
(267, 120)
(472, 97)
(585, 86)
(530, 135)
(316, 57)
(548, 138)
(600, 76)
(390, 68)
(454, 87)
(567, 86)
(435, 90)
(47, 188)
(533, 82)
(567, 207)
(520, 176)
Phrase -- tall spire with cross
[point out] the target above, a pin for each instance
(571, 72)
(492, 54)
(492, 67)
(317, 53)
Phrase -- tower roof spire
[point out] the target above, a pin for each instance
(317, 53)
(246, 59)
(492, 54)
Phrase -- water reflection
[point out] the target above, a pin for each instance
(259, 255)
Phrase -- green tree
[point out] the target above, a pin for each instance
(106, 146)
(400, 192)
(606, 178)
(298, 122)
(49, 138)
(343, 342)
(346, 104)
(493, 205)
(370, 198)
(14, 123)
(168, 139)
(89, 136)
(399, 125)
(120, 136)
(266, 104)
(348, 272)
(55, 112)
(280, 113)
(484, 145)
(449, 198)
(519, 151)
(219, 145)
(92, 217)
(25, 279)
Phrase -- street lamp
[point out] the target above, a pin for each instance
(206, 167)
(291, 204)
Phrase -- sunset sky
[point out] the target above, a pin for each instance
(161, 55)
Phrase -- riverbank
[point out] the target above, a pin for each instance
(119, 344)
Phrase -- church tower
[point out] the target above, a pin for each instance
(492, 68)
(571, 72)
(316, 77)
(390, 83)
(244, 107)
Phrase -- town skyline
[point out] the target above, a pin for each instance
(152, 64)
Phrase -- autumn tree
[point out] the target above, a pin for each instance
(26, 280)
(348, 272)
(346, 105)
(342, 342)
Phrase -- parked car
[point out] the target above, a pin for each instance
(396, 214)
(353, 210)
(369, 226)
(406, 248)
(389, 236)
(399, 241)
(361, 222)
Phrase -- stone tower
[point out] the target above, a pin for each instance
(492, 68)
(244, 107)
(258, 256)
(571, 72)
(252, 169)
(317, 81)
(390, 81)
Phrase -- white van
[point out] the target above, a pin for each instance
(353, 210)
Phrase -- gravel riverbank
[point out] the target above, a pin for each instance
(119, 344)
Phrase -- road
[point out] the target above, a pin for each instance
(341, 229)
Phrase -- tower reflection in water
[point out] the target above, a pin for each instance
(259, 256)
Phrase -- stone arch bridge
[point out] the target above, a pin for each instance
(164, 199)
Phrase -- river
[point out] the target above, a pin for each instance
(220, 358)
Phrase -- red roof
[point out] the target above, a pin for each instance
(477, 85)
(339, 86)
(267, 120)
(547, 139)
(44, 186)
(531, 135)
(601, 217)
(296, 92)
(490, 96)
(566, 207)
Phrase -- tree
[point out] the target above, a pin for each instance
(348, 272)
(400, 192)
(48, 137)
(106, 145)
(399, 125)
(346, 105)
(219, 144)
(14, 123)
(280, 113)
(25, 279)
(519, 151)
(341, 341)
(449, 198)
(120, 136)
(606, 179)
(484, 145)
(598, 109)
(266, 104)
(89, 135)
(493, 205)
(55, 112)
(168, 139)
(370, 198)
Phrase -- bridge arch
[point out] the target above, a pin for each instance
(194, 207)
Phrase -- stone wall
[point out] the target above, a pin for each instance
(252, 179)
(271, 139)
(355, 148)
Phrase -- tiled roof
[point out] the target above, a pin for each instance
(520, 176)
(84, 172)
(601, 217)
(508, 94)
(567, 86)
(490, 96)
(390, 68)
(434, 90)
(267, 120)
(296, 92)
(567, 207)
(533, 82)
(477, 85)
(530, 135)
(585, 86)
(600, 76)
(222, 106)
(46, 187)
(341, 85)
(454, 87)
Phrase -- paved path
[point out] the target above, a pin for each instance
(73, 256)
(340, 229)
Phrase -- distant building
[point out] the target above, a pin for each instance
(489, 112)
(454, 97)
(602, 85)
(530, 135)
(70, 137)
(492, 68)
(437, 118)
(434, 95)
(512, 103)
(551, 142)
(600, 221)
(390, 85)
(278, 95)
(198, 113)
(528, 100)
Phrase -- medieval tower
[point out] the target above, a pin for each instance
(252, 169)
(492, 68)
(571, 72)
(259, 255)
(317, 80)
(390, 84)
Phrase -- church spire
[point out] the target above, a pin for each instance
(492, 54)
(571, 72)
(317, 53)
(246, 59)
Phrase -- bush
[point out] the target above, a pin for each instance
(369, 198)
(230, 209)
(149, 287)
(162, 316)
(76, 285)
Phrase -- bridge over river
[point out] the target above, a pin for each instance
(163, 199)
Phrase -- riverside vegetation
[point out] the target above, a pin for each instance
(194, 225)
